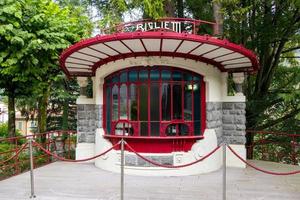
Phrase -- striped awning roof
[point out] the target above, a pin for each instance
(83, 58)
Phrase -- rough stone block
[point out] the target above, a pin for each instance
(209, 116)
(228, 127)
(240, 106)
(216, 115)
(225, 112)
(240, 127)
(228, 106)
(209, 106)
(228, 119)
(240, 119)
(80, 107)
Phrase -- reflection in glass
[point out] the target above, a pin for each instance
(115, 115)
(154, 109)
(123, 77)
(133, 102)
(166, 102)
(124, 128)
(171, 130)
(183, 129)
(108, 109)
(133, 76)
(177, 98)
(197, 104)
(166, 75)
(177, 76)
(143, 89)
(154, 75)
(188, 101)
(143, 75)
(123, 102)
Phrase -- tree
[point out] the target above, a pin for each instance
(33, 33)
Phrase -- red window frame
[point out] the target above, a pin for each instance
(162, 124)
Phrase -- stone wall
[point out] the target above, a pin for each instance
(214, 118)
(228, 119)
(89, 117)
(234, 122)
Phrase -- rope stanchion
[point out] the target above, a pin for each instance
(172, 166)
(262, 170)
(17, 153)
(69, 160)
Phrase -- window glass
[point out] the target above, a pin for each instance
(149, 98)
(123, 101)
(197, 111)
(188, 101)
(171, 130)
(115, 105)
(143, 75)
(166, 75)
(177, 76)
(143, 90)
(133, 76)
(154, 109)
(154, 75)
(183, 129)
(124, 128)
(187, 77)
(115, 78)
(133, 102)
(166, 101)
(123, 77)
(108, 109)
(197, 78)
(177, 101)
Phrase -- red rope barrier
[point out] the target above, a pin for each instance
(262, 170)
(17, 153)
(69, 160)
(171, 166)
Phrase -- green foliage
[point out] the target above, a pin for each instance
(33, 33)
(113, 12)
(4, 132)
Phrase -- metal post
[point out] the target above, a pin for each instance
(122, 169)
(31, 169)
(224, 170)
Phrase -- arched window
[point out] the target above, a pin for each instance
(154, 101)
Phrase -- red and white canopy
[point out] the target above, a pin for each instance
(83, 58)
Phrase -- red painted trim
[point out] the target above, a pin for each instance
(161, 35)
(155, 138)
(203, 106)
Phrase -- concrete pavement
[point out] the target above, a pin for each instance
(66, 181)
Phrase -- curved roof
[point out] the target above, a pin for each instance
(84, 57)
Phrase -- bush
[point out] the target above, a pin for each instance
(4, 133)
(3, 130)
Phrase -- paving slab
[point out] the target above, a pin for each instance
(66, 181)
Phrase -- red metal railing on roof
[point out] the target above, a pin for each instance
(181, 25)
(14, 156)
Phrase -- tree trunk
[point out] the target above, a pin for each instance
(65, 115)
(180, 10)
(11, 115)
(42, 113)
(218, 18)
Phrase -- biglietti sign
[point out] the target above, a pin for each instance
(174, 26)
(169, 24)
